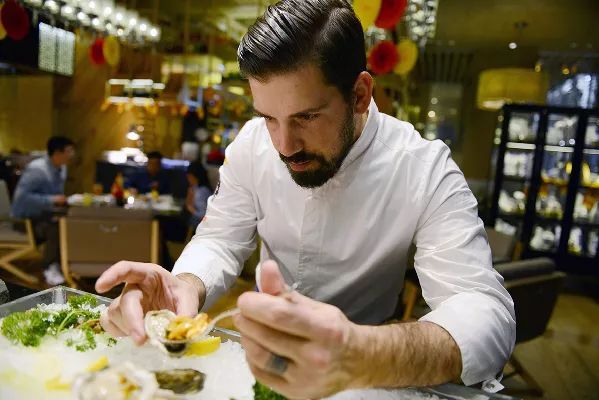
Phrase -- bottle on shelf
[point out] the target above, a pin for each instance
(117, 189)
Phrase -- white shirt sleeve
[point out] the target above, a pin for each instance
(227, 235)
(453, 263)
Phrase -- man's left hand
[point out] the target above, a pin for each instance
(299, 347)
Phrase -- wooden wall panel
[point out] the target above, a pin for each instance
(25, 112)
(80, 116)
(33, 108)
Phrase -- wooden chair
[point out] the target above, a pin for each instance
(16, 243)
(92, 239)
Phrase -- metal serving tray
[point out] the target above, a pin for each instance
(60, 295)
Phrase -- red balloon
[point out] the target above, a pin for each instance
(15, 20)
(390, 13)
(383, 57)
(96, 52)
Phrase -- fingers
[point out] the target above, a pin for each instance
(272, 341)
(109, 327)
(258, 358)
(133, 315)
(123, 271)
(271, 380)
(291, 314)
(271, 280)
(125, 316)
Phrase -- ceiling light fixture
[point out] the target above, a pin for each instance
(104, 16)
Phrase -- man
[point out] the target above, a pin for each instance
(39, 191)
(152, 178)
(338, 192)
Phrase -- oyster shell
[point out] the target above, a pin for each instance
(180, 381)
(121, 382)
(173, 333)
(126, 381)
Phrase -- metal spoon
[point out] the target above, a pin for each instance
(177, 348)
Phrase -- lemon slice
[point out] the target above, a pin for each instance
(203, 347)
(97, 365)
(56, 384)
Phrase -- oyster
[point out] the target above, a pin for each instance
(128, 382)
(173, 333)
(116, 383)
(180, 381)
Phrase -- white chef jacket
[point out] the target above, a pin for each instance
(345, 243)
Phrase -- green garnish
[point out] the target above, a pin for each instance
(88, 342)
(27, 327)
(31, 326)
(80, 301)
(262, 392)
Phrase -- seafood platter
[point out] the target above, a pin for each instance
(52, 346)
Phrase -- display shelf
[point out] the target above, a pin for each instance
(554, 161)
(520, 146)
(513, 178)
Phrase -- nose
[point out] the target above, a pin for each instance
(287, 141)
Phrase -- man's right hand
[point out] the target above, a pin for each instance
(59, 200)
(147, 287)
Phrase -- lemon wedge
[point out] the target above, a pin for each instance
(56, 384)
(203, 347)
(97, 365)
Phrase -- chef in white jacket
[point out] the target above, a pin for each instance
(338, 192)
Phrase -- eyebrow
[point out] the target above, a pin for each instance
(297, 114)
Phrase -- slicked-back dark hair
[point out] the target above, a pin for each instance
(294, 33)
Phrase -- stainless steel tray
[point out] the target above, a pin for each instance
(57, 294)
(60, 295)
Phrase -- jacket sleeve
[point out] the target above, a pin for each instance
(227, 235)
(453, 263)
(29, 198)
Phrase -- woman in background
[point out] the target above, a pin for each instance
(197, 194)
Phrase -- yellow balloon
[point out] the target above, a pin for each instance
(408, 54)
(2, 30)
(111, 50)
(367, 11)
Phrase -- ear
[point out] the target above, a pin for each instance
(363, 89)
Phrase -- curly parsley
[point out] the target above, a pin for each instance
(30, 327)
(27, 328)
(79, 302)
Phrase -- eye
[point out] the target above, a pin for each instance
(308, 117)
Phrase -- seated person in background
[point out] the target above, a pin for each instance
(38, 192)
(152, 178)
(197, 193)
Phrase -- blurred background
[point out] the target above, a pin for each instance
(148, 94)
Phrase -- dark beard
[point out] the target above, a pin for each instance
(328, 168)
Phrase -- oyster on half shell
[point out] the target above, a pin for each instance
(126, 382)
(174, 333)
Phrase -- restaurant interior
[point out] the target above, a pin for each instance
(151, 86)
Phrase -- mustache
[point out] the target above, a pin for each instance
(299, 157)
